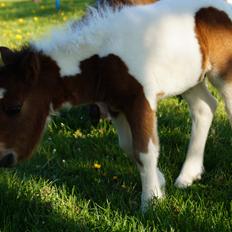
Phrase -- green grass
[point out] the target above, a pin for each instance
(59, 189)
(23, 20)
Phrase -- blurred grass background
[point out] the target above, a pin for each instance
(22, 20)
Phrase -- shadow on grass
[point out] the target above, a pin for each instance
(117, 181)
(27, 212)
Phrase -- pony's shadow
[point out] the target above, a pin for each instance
(29, 213)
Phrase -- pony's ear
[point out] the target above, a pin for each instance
(6, 56)
(31, 67)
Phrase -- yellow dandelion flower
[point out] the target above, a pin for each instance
(65, 18)
(18, 37)
(21, 21)
(35, 19)
(77, 134)
(2, 4)
(97, 166)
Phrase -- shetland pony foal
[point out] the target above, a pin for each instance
(128, 59)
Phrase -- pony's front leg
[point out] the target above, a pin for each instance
(153, 181)
(143, 124)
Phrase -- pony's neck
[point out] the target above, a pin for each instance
(79, 89)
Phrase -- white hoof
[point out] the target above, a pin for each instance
(186, 180)
(146, 198)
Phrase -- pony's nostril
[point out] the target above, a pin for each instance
(7, 161)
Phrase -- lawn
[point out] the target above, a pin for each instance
(80, 180)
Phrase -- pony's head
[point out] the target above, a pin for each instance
(30, 86)
(23, 110)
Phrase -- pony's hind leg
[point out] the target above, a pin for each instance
(202, 107)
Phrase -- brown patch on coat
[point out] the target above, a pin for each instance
(214, 33)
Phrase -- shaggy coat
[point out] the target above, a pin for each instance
(127, 58)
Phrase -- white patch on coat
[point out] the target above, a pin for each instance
(2, 93)
(157, 42)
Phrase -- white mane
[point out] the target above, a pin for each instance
(77, 39)
(76, 33)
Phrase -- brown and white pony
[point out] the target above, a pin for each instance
(128, 59)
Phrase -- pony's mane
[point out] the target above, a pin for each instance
(86, 31)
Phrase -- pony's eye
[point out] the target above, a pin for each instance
(13, 110)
